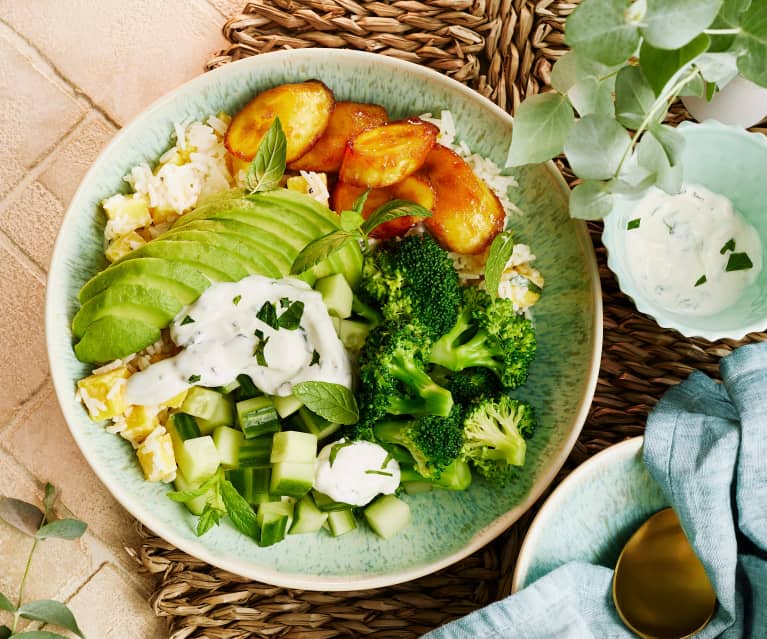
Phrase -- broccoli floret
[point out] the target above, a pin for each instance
(473, 383)
(414, 278)
(494, 436)
(392, 376)
(488, 334)
(457, 476)
(433, 442)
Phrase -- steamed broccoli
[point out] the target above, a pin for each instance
(433, 442)
(392, 376)
(489, 334)
(414, 278)
(457, 476)
(471, 384)
(494, 436)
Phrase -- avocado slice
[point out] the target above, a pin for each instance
(154, 306)
(111, 337)
(190, 282)
(199, 255)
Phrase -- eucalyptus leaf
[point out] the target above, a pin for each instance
(659, 65)
(651, 156)
(320, 249)
(541, 126)
(62, 529)
(50, 611)
(351, 220)
(634, 97)
(696, 87)
(239, 510)
(590, 200)
(591, 95)
(5, 632)
(39, 634)
(752, 64)
(564, 73)
(671, 140)
(268, 166)
(719, 68)
(596, 146)
(333, 402)
(601, 30)
(670, 24)
(391, 211)
(5, 604)
(23, 516)
(497, 258)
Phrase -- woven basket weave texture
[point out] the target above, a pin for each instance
(505, 50)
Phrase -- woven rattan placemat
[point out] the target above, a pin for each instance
(504, 49)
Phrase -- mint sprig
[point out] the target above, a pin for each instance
(333, 402)
(268, 166)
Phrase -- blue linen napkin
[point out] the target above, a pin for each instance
(706, 446)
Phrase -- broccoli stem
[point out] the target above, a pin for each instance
(447, 351)
(434, 400)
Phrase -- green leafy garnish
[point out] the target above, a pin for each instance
(209, 517)
(386, 460)
(268, 314)
(500, 252)
(258, 351)
(391, 211)
(738, 262)
(701, 280)
(291, 317)
(239, 510)
(193, 379)
(236, 299)
(379, 472)
(633, 224)
(729, 245)
(268, 166)
(320, 249)
(336, 448)
(187, 320)
(334, 402)
(315, 358)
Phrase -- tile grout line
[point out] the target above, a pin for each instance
(27, 262)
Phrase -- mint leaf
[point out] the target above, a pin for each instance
(602, 30)
(590, 200)
(351, 220)
(209, 517)
(541, 126)
(290, 319)
(187, 320)
(239, 510)
(268, 166)
(50, 611)
(359, 203)
(24, 517)
(738, 262)
(500, 252)
(634, 224)
(183, 496)
(596, 146)
(193, 379)
(634, 97)
(701, 280)
(268, 314)
(5, 604)
(333, 402)
(320, 249)
(660, 65)
(391, 211)
(752, 38)
(670, 24)
(62, 529)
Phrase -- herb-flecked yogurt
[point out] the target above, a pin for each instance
(691, 253)
(278, 332)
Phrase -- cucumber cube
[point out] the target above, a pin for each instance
(242, 480)
(257, 416)
(213, 408)
(352, 333)
(336, 293)
(273, 519)
(286, 406)
(246, 388)
(308, 518)
(327, 504)
(309, 422)
(228, 443)
(293, 446)
(229, 388)
(196, 505)
(198, 458)
(341, 522)
(292, 479)
(255, 452)
(387, 515)
(185, 425)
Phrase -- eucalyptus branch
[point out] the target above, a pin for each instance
(20, 599)
(722, 31)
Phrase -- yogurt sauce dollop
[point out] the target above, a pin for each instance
(222, 337)
(680, 247)
(355, 472)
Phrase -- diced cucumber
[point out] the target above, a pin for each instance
(185, 425)
(292, 479)
(255, 452)
(307, 517)
(247, 389)
(353, 333)
(228, 442)
(242, 480)
(417, 487)
(229, 388)
(286, 406)
(327, 504)
(387, 515)
(293, 446)
(336, 293)
(198, 458)
(309, 422)
(273, 519)
(341, 522)
(213, 408)
(196, 505)
(257, 416)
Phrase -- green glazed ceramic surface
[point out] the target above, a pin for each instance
(446, 526)
(726, 160)
(591, 515)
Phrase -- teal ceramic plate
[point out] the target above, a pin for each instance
(726, 160)
(591, 515)
(446, 526)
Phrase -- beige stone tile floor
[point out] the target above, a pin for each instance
(72, 72)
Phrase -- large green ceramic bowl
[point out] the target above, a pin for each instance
(446, 526)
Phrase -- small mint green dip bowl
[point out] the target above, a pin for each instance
(729, 161)
(445, 526)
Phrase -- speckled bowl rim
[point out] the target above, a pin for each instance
(575, 480)
(614, 263)
(297, 580)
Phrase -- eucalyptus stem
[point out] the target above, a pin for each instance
(662, 101)
(22, 584)
(722, 31)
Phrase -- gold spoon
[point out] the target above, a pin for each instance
(660, 588)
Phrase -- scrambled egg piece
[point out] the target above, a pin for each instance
(104, 394)
(123, 245)
(125, 213)
(156, 456)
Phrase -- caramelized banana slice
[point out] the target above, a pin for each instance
(415, 188)
(304, 110)
(467, 215)
(348, 120)
(387, 154)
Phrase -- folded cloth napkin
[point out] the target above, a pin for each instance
(706, 446)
